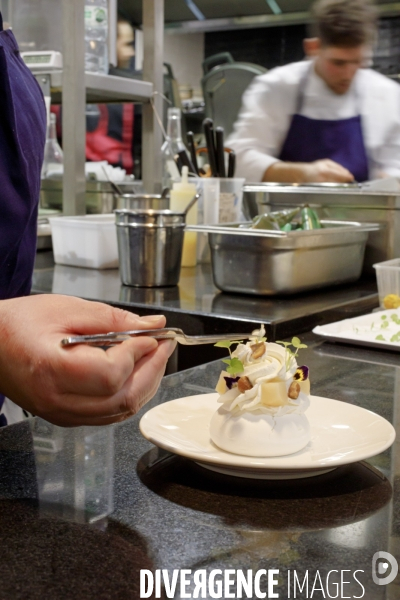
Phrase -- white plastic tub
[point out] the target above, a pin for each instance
(88, 241)
(388, 279)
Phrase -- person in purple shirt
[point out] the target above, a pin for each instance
(68, 387)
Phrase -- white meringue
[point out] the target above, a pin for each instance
(262, 421)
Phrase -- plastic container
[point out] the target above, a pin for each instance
(181, 194)
(96, 36)
(88, 241)
(220, 202)
(388, 278)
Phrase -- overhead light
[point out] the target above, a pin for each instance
(274, 6)
(195, 10)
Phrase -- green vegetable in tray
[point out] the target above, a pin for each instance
(264, 222)
(283, 220)
(275, 220)
(309, 219)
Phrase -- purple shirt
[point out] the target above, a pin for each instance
(22, 138)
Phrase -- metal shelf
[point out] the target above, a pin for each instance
(102, 88)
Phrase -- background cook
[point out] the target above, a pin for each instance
(327, 118)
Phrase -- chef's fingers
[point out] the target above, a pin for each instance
(75, 409)
(146, 378)
(96, 317)
(343, 175)
(87, 370)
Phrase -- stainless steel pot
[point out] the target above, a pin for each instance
(150, 246)
(99, 197)
(143, 201)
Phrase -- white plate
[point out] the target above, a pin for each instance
(340, 434)
(363, 330)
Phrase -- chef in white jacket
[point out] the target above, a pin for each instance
(326, 119)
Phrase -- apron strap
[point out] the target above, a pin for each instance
(1, 22)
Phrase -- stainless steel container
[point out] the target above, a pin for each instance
(143, 201)
(275, 262)
(99, 198)
(348, 202)
(149, 246)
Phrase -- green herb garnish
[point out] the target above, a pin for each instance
(395, 318)
(395, 337)
(380, 337)
(235, 365)
(290, 355)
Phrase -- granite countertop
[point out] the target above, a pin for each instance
(197, 306)
(83, 510)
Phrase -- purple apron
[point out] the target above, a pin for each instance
(22, 138)
(314, 139)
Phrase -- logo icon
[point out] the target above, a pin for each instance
(381, 574)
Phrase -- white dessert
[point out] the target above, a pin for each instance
(262, 408)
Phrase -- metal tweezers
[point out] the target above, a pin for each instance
(170, 333)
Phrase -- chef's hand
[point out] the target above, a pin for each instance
(77, 385)
(319, 171)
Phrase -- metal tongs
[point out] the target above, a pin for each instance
(170, 333)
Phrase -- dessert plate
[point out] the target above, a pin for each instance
(378, 330)
(341, 433)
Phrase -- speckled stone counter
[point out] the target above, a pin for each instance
(198, 307)
(83, 510)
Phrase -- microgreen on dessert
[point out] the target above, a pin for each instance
(235, 365)
(290, 354)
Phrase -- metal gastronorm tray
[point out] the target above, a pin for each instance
(255, 261)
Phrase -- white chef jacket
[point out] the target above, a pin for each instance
(271, 100)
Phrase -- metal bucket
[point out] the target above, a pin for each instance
(149, 246)
(143, 201)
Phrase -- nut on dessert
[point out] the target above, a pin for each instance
(257, 350)
(294, 390)
(244, 384)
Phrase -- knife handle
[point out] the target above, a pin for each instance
(208, 127)
(231, 163)
(192, 149)
(219, 136)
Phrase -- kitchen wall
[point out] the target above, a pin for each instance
(266, 46)
(185, 52)
(387, 51)
(274, 46)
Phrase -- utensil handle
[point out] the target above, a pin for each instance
(192, 149)
(231, 164)
(185, 160)
(219, 136)
(208, 127)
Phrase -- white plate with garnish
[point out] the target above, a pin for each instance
(341, 433)
(378, 330)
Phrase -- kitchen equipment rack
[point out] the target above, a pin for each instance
(76, 88)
